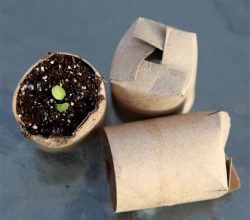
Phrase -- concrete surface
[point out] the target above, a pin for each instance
(37, 185)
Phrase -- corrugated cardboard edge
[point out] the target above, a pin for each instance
(55, 144)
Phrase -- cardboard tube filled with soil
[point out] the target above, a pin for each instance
(59, 100)
(154, 69)
(169, 160)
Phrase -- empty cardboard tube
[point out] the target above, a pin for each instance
(54, 143)
(169, 160)
(150, 88)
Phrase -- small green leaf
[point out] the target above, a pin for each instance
(58, 92)
(62, 107)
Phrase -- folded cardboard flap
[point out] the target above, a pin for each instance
(149, 88)
(162, 161)
(232, 175)
(233, 178)
(151, 32)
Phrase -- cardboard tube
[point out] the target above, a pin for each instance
(53, 143)
(169, 160)
(149, 88)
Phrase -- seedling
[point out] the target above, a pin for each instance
(62, 107)
(59, 93)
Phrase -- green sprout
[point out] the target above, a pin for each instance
(62, 107)
(59, 93)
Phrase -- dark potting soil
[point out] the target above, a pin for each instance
(37, 107)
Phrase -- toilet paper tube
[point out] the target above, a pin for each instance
(54, 143)
(169, 160)
(150, 88)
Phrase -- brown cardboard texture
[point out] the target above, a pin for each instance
(153, 88)
(55, 144)
(169, 160)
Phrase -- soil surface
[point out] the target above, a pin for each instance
(37, 107)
